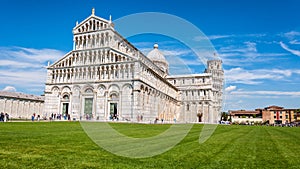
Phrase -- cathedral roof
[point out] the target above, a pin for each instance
(156, 55)
(16, 95)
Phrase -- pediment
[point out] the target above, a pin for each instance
(92, 23)
(63, 62)
(92, 57)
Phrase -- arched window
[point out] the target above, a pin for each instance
(88, 90)
(114, 96)
(188, 107)
(66, 97)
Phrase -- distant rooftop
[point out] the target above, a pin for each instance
(21, 96)
(244, 112)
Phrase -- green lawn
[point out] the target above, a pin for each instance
(65, 145)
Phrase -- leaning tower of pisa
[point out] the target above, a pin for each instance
(215, 68)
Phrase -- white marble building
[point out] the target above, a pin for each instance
(20, 105)
(106, 77)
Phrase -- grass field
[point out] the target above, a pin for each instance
(65, 145)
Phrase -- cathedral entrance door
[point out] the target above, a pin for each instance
(65, 110)
(88, 108)
(114, 111)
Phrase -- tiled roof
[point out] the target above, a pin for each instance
(244, 112)
(273, 108)
(21, 96)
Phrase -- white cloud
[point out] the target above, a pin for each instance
(284, 46)
(294, 42)
(240, 75)
(211, 37)
(246, 48)
(237, 59)
(24, 67)
(18, 64)
(214, 37)
(267, 93)
(30, 54)
(230, 88)
(9, 89)
(296, 71)
(177, 52)
(251, 46)
(246, 54)
(291, 34)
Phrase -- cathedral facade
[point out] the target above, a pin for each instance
(105, 77)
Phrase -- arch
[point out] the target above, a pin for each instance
(88, 86)
(66, 89)
(66, 96)
(127, 85)
(101, 90)
(55, 89)
(114, 95)
(76, 88)
(88, 90)
(114, 87)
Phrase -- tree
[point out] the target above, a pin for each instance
(224, 116)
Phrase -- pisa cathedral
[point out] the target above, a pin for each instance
(105, 77)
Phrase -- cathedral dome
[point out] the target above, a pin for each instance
(158, 58)
(156, 55)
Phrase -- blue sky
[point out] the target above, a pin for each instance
(258, 41)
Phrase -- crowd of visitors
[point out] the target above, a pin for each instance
(59, 117)
(4, 117)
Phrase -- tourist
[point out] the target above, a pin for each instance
(2, 116)
(32, 117)
(155, 121)
(7, 117)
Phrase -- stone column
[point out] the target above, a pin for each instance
(119, 71)
(209, 113)
(94, 104)
(17, 112)
(104, 72)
